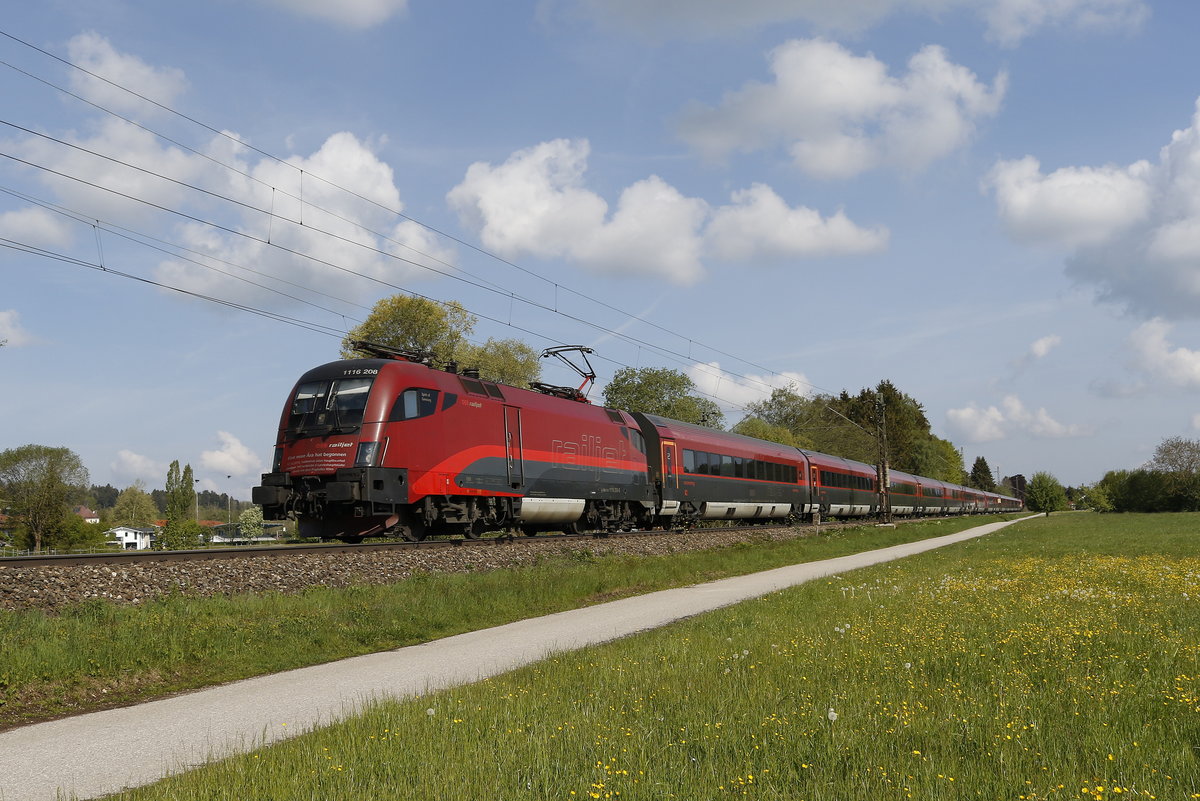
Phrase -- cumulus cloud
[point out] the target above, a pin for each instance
(131, 466)
(1132, 232)
(986, 424)
(11, 331)
(736, 391)
(35, 226)
(1155, 356)
(94, 53)
(760, 226)
(536, 203)
(840, 114)
(350, 13)
(1037, 350)
(285, 208)
(1072, 206)
(1008, 21)
(232, 458)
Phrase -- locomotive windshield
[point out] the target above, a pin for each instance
(328, 407)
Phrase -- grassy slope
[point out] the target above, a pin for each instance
(1055, 659)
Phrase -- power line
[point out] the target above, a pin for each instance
(241, 143)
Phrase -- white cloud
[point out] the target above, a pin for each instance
(233, 458)
(537, 203)
(350, 13)
(11, 332)
(35, 226)
(840, 114)
(1155, 356)
(760, 226)
(977, 424)
(1072, 206)
(355, 230)
(1008, 21)
(1042, 346)
(1196, 422)
(131, 466)
(1133, 232)
(94, 53)
(737, 391)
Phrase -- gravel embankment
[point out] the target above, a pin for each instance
(50, 588)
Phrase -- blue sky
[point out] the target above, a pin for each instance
(994, 204)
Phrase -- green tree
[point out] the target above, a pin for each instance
(40, 485)
(134, 507)
(661, 391)
(182, 530)
(981, 477)
(250, 522)
(1095, 497)
(1045, 494)
(441, 329)
(759, 429)
(505, 361)
(1178, 461)
(73, 533)
(414, 324)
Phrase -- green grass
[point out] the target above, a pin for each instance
(101, 654)
(1055, 659)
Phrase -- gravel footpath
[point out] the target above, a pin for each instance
(50, 588)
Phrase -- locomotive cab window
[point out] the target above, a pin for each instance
(414, 403)
(329, 405)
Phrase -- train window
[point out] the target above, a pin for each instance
(414, 403)
(449, 400)
(335, 405)
(689, 461)
(493, 391)
(727, 466)
(638, 440)
(701, 463)
(615, 416)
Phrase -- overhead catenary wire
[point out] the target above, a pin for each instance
(479, 282)
(324, 262)
(241, 143)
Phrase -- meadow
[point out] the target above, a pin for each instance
(101, 654)
(1055, 659)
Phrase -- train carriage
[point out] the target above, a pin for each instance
(705, 474)
(842, 487)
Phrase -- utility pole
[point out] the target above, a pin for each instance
(884, 475)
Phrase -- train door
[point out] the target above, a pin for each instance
(670, 471)
(514, 455)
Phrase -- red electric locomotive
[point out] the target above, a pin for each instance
(368, 446)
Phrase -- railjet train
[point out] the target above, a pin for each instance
(391, 446)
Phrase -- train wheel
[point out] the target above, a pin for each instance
(412, 532)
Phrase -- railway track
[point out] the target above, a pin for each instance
(251, 551)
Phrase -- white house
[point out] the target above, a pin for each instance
(132, 539)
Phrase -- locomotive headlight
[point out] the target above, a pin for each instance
(368, 454)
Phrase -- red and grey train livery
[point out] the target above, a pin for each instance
(392, 446)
